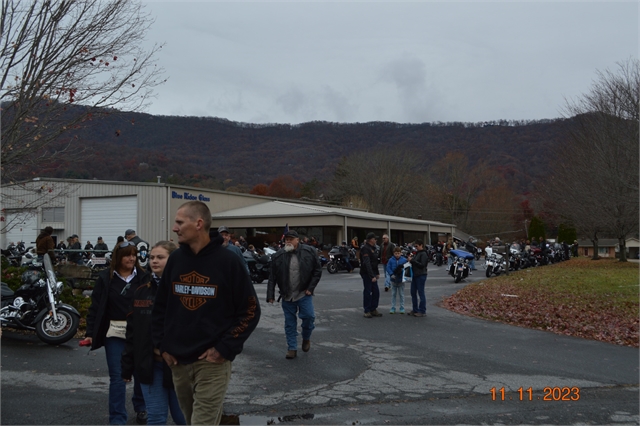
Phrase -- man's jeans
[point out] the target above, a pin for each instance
(417, 289)
(113, 348)
(371, 294)
(160, 399)
(201, 387)
(304, 309)
(387, 277)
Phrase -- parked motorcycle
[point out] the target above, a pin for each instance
(259, 266)
(338, 261)
(36, 306)
(322, 258)
(495, 263)
(459, 269)
(19, 255)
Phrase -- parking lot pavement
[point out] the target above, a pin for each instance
(396, 369)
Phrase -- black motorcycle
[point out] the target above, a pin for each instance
(459, 269)
(19, 255)
(338, 260)
(36, 306)
(259, 266)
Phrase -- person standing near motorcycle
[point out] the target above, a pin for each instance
(386, 253)
(74, 244)
(344, 251)
(224, 232)
(439, 252)
(140, 355)
(451, 245)
(370, 274)
(141, 245)
(419, 263)
(45, 244)
(101, 248)
(106, 322)
(296, 270)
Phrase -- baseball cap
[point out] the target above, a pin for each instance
(223, 229)
(371, 235)
(292, 234)
(129, 232)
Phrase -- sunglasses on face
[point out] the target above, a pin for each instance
(126, 244)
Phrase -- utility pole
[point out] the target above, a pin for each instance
(526, 229)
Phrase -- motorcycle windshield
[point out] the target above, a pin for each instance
(51, 275)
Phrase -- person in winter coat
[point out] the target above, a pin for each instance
(419, 264)
(386, 253)
(139, 354)
(106, 323)
(101, 245)
(205, 309)
(141, 245)
(296, 270)
(45, 244)
(370, 274)
(395, 271)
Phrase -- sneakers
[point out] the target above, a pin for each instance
(306, 345)
(375, 313)
(368, 315)
(141, 417)
(393, 311)
(291, 354)
(418, 314)
(411, 313)
(401, 312)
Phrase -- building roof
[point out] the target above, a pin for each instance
(287, 212)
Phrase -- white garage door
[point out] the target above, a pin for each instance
(24, 227)
(108, 218)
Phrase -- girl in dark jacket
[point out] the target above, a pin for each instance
(139, 354)
(106, 320)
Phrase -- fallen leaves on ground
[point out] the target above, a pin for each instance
(591, 299)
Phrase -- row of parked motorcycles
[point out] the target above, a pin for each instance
(496, 263)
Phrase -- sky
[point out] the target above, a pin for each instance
(406, 62)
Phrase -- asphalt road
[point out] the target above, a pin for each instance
(390, 370)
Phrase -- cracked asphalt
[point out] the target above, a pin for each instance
(396, 369)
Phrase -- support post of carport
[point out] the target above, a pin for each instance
(345, 236)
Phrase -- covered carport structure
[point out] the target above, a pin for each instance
(327, 224)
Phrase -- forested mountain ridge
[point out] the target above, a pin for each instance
(221, 153)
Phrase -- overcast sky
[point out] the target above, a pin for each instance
(409, 62)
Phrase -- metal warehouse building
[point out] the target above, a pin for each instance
(92, 208)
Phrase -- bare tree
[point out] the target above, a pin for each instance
(55, 54)
(596, 171)
(382, 181)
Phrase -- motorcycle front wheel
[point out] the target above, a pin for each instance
(332, 268)
(488, 273)
(458, 277)
(60, 331)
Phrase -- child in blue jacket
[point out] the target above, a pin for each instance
(395, 269)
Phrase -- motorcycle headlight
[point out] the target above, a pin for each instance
(59, 285)
(330, 256)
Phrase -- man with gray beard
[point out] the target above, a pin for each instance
(296, 270)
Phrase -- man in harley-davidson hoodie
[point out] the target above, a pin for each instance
(205, 309)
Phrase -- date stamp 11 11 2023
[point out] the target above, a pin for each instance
(555, 393)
